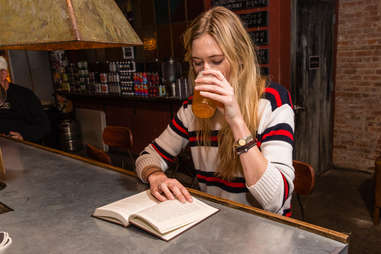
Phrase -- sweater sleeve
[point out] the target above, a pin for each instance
(275, 140)
(38, 125)
(162, 152)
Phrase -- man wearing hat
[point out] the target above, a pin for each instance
(21, 115)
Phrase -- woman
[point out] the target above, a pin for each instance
(242, 153)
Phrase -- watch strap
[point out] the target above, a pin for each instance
(242, 142)
(244, 149)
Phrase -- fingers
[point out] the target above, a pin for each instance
(170, 190)
(214, 84)
(186, 194)
(210, 80)
(179, 195)
(168, 193)
(157, 195)
(215, 73)
(225, 96)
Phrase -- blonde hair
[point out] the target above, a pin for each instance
(231, 36)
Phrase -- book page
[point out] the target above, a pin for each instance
(172, 214)
(167, 236)
(122, 209)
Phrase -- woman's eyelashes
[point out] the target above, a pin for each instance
(197, 63)
(217, 62)
(212, 62)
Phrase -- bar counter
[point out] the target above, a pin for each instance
(53, 195)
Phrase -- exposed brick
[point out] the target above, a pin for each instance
(358, 84)
(357, 120)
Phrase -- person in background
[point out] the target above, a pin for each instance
(21, 115)
(244, 152)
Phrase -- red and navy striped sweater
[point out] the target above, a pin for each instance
(275, 136)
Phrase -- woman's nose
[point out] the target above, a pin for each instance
(205, 66)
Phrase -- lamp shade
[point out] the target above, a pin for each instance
(64, 25)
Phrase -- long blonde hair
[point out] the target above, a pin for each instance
(231, 36)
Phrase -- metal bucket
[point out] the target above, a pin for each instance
(70, 136)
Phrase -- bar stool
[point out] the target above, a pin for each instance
(121, 140)
(97, 154)
(304, 181)
(377, 192)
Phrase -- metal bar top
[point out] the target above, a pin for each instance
(53, 197)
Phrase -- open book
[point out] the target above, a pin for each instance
(163, 219)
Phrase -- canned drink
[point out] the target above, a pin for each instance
(103, 77)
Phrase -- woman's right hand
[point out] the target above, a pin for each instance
(164, 188)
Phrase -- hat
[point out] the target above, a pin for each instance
(3, 63)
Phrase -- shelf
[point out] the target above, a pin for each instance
(247, 11)
(261, 28)
(123, 97)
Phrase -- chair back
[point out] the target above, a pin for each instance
(97, 154)
(118, 137)
(304, 180)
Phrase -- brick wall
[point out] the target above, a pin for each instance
(357, 124)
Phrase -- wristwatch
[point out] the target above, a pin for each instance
(242, 142)
(244, 149)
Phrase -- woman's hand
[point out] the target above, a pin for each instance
(16, 135)
(212, 84)
(164, 188)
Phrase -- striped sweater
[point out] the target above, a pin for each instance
(272, 191)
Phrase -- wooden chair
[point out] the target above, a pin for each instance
(121, 139)
(377, 192)
(97, 154)
(304, 181)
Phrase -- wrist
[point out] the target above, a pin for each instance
(154, 175)
(149, 170)
(236, 122)
(239, 129)
(246, 147)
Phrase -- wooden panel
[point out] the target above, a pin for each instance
(195, 7)
(120, 116)
(147, 12)
(150, 122)
(313, 83)
(177, 11)
(279, 41)
(146, 119)
(285, 45)
(164, 41)
(178, 31)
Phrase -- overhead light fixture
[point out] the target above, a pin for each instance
(64, 25)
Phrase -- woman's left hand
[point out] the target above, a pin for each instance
(212, 84)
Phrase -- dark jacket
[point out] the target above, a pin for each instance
(22, 112)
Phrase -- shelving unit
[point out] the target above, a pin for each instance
(268, 23)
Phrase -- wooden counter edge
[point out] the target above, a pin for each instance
(332, 234)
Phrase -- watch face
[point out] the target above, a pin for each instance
(242, 142)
